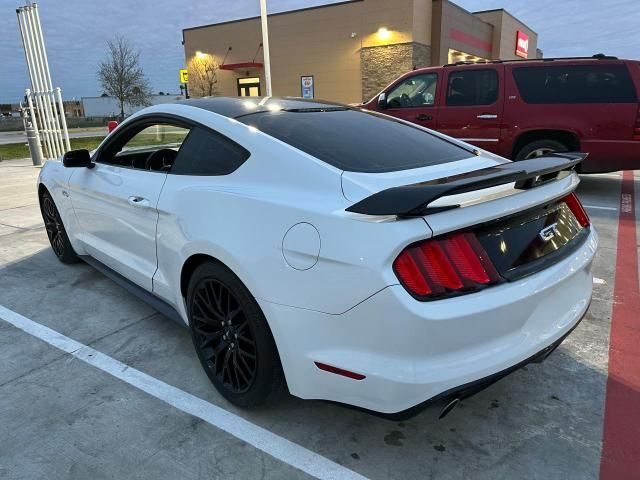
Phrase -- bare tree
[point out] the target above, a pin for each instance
(203, 76)
(121, 75)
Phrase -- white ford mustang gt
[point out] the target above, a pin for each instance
(339, 253)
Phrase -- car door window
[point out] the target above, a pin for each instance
(472, 87)
(206, 152)
(151, 147)
(415, 91)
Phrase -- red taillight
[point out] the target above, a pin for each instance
(452, 264)
(577, 209)
(636, 128)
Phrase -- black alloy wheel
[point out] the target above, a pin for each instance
(223, 336)
(55, 230)
(232, 337)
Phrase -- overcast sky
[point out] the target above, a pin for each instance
(76, 31)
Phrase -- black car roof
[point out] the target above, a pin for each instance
(238, 107)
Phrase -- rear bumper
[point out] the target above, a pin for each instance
(412, 352)
(469, 389)
(610, 155)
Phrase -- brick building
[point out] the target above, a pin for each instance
(349, 51)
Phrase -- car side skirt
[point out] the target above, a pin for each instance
(149, 298)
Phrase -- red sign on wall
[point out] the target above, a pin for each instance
(522, 44)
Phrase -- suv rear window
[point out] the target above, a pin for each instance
(575, 84)
(357, 141)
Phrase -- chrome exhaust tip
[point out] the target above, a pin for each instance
(448, 407)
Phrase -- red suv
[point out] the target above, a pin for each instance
(525, 108)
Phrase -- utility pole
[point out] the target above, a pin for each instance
(265, 46)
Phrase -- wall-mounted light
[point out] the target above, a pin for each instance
(384, 33)
(200, 55)
(354, 34)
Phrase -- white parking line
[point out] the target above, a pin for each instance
(598, 207)
(270, 443)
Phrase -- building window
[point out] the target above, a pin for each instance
(249, 87)
(416, 91)
(459, 56)
(472, 87)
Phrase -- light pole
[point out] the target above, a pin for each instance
(265, 46)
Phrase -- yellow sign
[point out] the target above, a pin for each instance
(184, 75)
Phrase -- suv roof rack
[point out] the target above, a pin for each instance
(597, 56)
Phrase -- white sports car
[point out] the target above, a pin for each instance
(339, 253)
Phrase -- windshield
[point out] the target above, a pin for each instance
(356, 140)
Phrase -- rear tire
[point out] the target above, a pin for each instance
(539, 148)
(232, 338)
(56, 232)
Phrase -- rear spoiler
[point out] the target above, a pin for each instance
(414, 199)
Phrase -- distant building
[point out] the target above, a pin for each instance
(9, 110)
(73, 108)
(348, 51)
(108, 106)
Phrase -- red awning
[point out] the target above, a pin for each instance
(241, 66)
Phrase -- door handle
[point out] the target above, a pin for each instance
(139, 202)
(423, 117)
(487, 116)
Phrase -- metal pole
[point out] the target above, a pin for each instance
(61, 125)
(265, 46)
(28, 52)
(33, 137)
(38, 86)
(63, 119)
(45, 83)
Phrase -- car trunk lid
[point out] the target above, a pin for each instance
(523, 225)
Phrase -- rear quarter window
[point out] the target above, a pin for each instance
(205, 152)
(357, 141)
(575, 84)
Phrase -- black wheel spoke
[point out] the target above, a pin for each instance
(244, 362)
(53, 226)
(244, 353)
(223, 335)
(238, 368)
(209, 339)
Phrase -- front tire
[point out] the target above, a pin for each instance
(540, 148)
(56, 232)
(232, 338)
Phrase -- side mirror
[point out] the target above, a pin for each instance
(382, 101)
(77, 158)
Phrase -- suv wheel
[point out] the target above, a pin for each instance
(540, 148)
(56, 232)
(232, 338)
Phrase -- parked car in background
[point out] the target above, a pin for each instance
(521, 109)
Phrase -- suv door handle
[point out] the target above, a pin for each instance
(423, 117)
(139, 202)
(487, 116)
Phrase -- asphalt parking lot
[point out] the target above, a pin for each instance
(63, 416)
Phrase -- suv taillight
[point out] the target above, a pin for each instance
(577, 209)
(448, 265)
(636, 127)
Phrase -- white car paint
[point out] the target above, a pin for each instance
(331, 297)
